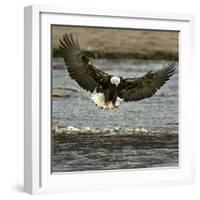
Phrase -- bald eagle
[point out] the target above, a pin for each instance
(109, 91)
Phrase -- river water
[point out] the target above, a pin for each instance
(158, 116)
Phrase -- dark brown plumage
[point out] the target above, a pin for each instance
(134, 89)
(79, 67)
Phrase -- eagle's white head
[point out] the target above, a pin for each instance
(115, 80)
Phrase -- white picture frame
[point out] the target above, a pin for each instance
(37, 139)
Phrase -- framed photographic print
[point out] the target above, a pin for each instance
(106, 99)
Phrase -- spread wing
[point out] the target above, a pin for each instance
(79, 65)
(134, 89)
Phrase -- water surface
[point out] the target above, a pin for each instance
(158, 115)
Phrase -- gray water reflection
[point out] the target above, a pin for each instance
(158, 115)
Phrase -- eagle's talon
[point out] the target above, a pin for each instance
(107, 103)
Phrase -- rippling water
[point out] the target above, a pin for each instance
(159, 115)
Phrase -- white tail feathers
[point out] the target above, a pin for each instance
(99, 100)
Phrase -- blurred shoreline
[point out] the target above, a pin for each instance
(120, 43)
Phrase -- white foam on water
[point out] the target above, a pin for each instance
(107, 131)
